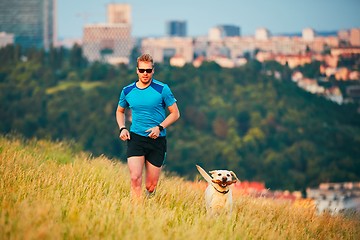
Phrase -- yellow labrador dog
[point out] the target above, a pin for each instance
(218, 194)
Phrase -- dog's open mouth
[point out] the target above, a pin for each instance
(223, 184)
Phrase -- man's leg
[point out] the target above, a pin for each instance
(152, 176)
(136, 165)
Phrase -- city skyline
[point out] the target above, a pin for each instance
(150, 20)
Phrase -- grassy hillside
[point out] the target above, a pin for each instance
(263, 127)
(51, 191)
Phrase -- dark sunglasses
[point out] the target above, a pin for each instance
(141, 70)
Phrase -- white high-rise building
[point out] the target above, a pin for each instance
(118, 13)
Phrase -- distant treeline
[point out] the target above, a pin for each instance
(243, 119)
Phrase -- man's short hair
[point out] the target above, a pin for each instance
(145, 58)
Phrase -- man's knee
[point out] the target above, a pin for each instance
(150, 187)
(136, 180)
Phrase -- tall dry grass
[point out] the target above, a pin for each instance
(49, 191)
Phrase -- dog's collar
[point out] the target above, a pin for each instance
(223, 192)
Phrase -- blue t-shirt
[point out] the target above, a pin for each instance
(147, 105)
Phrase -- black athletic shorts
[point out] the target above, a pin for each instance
(154, 150)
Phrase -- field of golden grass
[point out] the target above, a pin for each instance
(49, 190)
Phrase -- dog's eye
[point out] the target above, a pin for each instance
(219, 174)
(228, 175)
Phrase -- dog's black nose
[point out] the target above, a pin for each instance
(224, 179)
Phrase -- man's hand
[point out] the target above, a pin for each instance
(154, 132)
(124, 135)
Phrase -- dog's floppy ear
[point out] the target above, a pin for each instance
(204, 173)
(234, 175)
(212, 172)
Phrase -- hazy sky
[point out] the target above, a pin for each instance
(279, 16)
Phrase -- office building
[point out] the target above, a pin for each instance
(176, 29)
(33, 22)
(110, 42)
(107, 42)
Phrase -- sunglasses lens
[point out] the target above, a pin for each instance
(141, 70)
